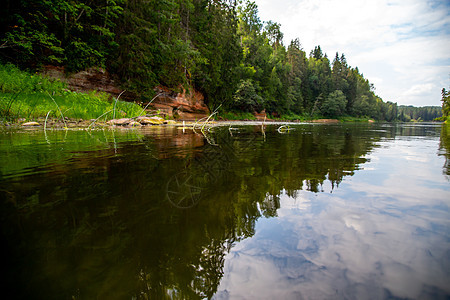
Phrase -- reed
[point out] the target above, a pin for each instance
(62, 116)
(143, 110)
(46, 118)
(263, 128)
(89, 127)
(115, 104)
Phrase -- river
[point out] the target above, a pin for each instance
(306, 211)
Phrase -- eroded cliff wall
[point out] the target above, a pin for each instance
(183, 105)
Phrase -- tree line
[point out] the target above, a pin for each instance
(424, 113)
(219, 47)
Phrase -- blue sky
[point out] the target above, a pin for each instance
(401, 46)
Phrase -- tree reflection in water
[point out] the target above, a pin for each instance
(445, 147)
(101, 223)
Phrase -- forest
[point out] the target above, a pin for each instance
(220, 48)
(425, 113)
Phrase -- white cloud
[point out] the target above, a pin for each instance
(419, 89)
(398, 45)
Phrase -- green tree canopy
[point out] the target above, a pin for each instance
(334, 105)
(218, 47)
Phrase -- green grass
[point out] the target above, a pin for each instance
(354, 119)
(236, 116)
(32, 96)
(294, 117)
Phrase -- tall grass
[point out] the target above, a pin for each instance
(294, 117)
(236, 115)
(32, 96)
(354, 119)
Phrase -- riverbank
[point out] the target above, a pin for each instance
(32, 100)
(146, 121)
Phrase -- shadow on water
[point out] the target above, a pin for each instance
(151, 214)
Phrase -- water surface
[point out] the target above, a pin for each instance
(316, 212)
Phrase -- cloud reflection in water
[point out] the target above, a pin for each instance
(383, 233)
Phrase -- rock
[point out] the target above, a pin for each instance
(119, 122)
(134, 124)
(328, 121)
(261, 116)
(140, 118)
(28, 124)
(150, 120)
(92, 79)
(185, 105)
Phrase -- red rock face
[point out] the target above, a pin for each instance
(261, 116)
(85, 81)
(325, 121)
(187, 105)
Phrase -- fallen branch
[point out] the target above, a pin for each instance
(284, 128)
(207, 120)
(196, 122)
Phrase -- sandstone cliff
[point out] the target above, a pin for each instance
(184, 105)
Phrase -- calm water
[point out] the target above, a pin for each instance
(357, 211)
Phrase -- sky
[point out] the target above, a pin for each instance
(401, 46)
